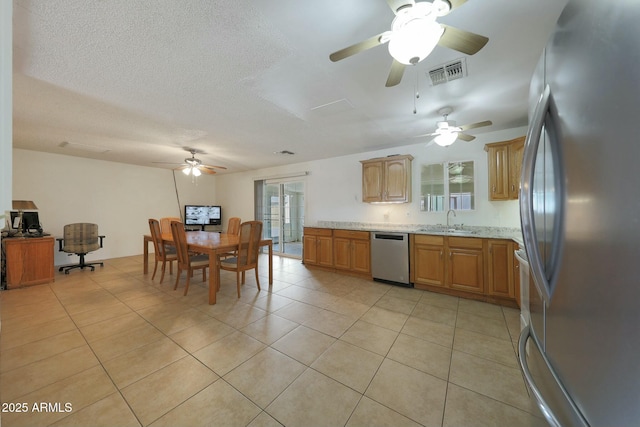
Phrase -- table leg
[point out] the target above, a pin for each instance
(214, 276)
(271, 263)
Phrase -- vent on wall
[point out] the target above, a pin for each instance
(450, 71)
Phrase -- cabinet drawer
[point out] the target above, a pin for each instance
(423, 239)
(311, 231)
(351, 234)
(465, 242)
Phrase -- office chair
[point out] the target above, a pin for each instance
(80, 239)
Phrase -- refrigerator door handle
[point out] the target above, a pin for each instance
(546, 410)
(534, 134)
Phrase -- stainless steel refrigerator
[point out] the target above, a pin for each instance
(580, 211)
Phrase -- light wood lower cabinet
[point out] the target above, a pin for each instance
(447, 262)
(29, 261)
(464, 266)
(500, 265)
(317, 246)
(352, 251)
(347, 251)
(428, 256)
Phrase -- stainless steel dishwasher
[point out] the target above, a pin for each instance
(390, 257)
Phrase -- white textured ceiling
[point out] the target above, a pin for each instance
(137, 81)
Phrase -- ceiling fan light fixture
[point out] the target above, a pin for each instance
(445, 139)
(415, 33)
(196, 172)
(186, 171)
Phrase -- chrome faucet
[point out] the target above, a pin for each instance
(448, 212)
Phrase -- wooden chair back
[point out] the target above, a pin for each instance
(250, 236)
(165, 223)
(158, 247)
(233, 226)
(180, 242)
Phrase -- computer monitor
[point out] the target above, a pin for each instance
(202, 215)
(30, 220)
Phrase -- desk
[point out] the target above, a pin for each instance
(29, 260)
(213, 243)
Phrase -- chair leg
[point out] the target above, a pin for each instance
(186, 287)
(238, 282)
(177, 278)
(243, 278)
(257, 280)
(155, 268)
(164, 265)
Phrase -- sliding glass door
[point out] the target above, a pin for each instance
(283, 215)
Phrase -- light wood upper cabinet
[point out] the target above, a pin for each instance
(505, 166)
(387, 179)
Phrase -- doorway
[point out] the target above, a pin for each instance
(283, 216)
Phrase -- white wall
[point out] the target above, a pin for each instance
(6, 114)
(119, 198)
(334, 187)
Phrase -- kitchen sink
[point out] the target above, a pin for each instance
(460, 232)
(448, 231)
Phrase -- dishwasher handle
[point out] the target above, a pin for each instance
(383, 236)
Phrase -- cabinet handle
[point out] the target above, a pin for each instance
(494, 189)
(449, 254)
(440, 254)
(513, 187)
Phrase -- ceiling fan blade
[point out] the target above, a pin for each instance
(207, 171)
(425, 134)
(395, 74)
(456, 3)
(396, 5)
(212, 167)
(356, 48)
(461, 40)
(465, 137)
(166, 163)
(476, 125)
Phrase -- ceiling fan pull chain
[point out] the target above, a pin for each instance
(417, 95)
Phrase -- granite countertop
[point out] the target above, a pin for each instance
(514, 234)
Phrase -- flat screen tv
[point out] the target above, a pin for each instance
(202, 215)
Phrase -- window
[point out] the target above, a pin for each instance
(452, 181)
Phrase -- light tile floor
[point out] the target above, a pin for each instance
(114, 348)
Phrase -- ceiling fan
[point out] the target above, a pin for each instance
(415, 33)
(193, 166)
(447, 132)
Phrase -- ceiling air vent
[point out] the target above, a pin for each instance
(446, 72)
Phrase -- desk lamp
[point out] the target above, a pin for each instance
(21, 206)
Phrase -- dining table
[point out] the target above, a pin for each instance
(212, 243)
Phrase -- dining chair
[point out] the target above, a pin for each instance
(247, 255)
(187, 261)
(163, 253)
(233, 227)
(165, 224)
